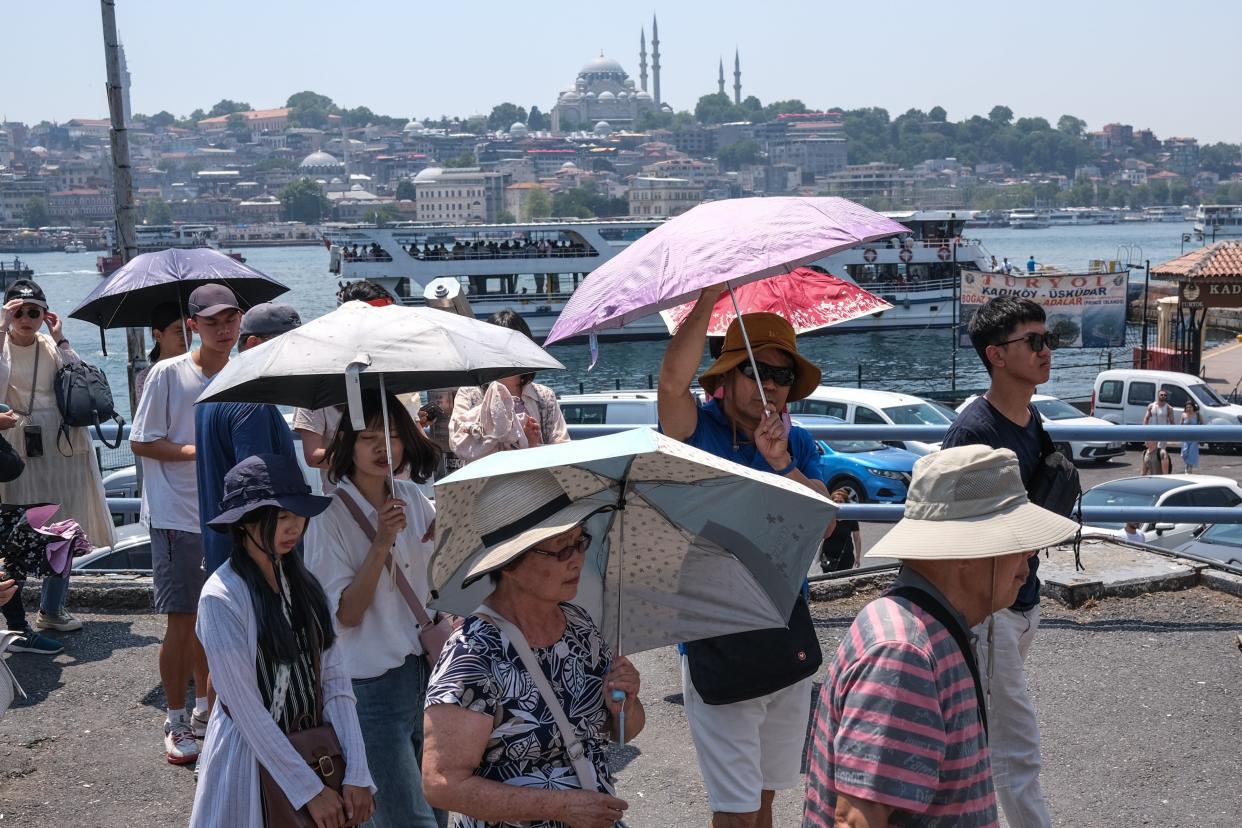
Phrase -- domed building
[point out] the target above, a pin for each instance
(518, 131)
(321, 163)
(602, 92)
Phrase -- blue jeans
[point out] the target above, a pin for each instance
(390, 713)
(51, 602)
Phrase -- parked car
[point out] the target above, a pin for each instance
(1053, 410)
(1220, 541)
(1122, 395)
(1161, 490)
(864, 406)
(868, 469)
(130, 553)
(635, 408)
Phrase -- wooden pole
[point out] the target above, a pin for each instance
(122, 186)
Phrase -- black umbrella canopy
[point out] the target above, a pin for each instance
(125, 299)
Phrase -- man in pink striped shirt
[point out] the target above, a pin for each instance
(900, 733)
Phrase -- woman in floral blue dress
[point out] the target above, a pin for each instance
(493, 753)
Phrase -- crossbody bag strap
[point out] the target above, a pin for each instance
(403, 585)
(573, 741)
(935, 609)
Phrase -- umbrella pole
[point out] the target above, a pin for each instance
(619, 695)
(749, 352)
(392, 487)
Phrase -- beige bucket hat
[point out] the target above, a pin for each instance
(517, 511)
(969, 502)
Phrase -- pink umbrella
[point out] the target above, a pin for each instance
(807, 297)
(722, 242)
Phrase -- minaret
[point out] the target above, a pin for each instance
(642, 60)
(126, 112)
(655, 60)
(737, 78)
(720, 80)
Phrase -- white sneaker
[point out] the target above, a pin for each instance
(199, 724)
(180, 746)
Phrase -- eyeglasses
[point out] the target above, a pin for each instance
(581, 545)
(1037, 341)
(781, 376)
(33, 313)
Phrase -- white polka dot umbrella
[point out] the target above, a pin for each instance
(688, 545)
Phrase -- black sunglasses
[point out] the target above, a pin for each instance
(33, 313)
(778, 375)
(1037, 341)
(581, 545)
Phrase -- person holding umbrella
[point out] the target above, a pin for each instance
(750, 748)
(495, 752)
(370, 551)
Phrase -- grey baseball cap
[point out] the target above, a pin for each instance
(270, 319)
(210, 299)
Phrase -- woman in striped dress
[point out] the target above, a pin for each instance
(265, 625)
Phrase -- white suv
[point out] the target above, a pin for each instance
(864, 406)
(636, 408)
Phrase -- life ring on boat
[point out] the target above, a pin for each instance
(905, 255)
(869, 255)
(944, 253)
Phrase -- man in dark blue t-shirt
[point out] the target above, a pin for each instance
(751, 748)
(1012, 339)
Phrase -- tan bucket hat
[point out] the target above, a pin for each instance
(766, 331)
(517, 511)
(969, 502)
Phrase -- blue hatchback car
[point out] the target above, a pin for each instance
(869, 470)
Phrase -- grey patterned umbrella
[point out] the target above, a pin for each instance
(687, 546)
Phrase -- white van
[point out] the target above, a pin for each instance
(1122, 395)
(636, 408)
(864, 406)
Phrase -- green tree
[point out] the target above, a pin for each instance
(238, 127)
(310, 109)
(197, 115)
(937, 113)
(538, 204)
(359, 116)
(1220, 158)
(716, 108)
(466, 159)
(587, 202)
(737, 155)
(303, 200)
(1001, 115)
(162, 119)
(1071, 125)
(506, 217)
(505, 115)
(227, 107)
(381, 215)
(406, 190)
(157, 211)
(536, 120)
(793, 106)
(35, 213)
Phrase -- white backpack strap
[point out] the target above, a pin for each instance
(573, 742)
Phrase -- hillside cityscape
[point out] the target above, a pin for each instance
(608, 145)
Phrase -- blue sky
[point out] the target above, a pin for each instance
(1151, 64)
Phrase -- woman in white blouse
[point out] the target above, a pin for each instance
(265, 626)
(365, 561)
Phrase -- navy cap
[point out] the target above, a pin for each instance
(210, 299)
(265, 480)
(269, 319)
(28, 291)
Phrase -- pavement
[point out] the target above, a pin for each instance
(1222, 368)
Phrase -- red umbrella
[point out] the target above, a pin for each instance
(807, 297)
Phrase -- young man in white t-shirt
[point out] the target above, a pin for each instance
(162, 435)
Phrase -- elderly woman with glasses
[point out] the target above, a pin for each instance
(494, 754)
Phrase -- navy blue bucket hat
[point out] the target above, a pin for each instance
(265, 480)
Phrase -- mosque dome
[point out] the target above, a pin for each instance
(356, 188)
(319, 159)
(39, 150)
(518, 130)
(601, 64)
(642, 95)
(336, 180)
(623, 95)
(569, 165)
(414, 126)
(602, 128)
(571, 96)
(606, 96)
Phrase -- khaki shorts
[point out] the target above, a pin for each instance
(177, 569)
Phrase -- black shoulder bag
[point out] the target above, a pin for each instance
(1055, 484)
(747, 665)
(938, 611)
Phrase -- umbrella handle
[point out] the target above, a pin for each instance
(392, 486)
(749, 352)
(619, 696)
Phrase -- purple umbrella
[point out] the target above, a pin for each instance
(723, 242)
(125, 299)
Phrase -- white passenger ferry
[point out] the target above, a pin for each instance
(1030, 219)
(534, 267)
(1218, 221)
(1163, 213)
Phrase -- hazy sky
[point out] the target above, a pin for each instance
(1150, 63)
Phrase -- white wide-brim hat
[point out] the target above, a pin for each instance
(969, 502)
(515, 512)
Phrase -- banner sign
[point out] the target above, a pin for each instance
(1087, 310)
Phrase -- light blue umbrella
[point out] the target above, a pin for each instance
(687, 545)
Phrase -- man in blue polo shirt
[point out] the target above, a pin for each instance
(748, 749)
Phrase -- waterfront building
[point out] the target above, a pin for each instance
(81, 205)
(517, 198)
(695, 171)
(15, 194)
(663, 197)
(876, 181)
(459, 195)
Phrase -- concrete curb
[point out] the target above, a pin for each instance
(106, 592)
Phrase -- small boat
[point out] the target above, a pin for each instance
(75, 247)
(13, 270)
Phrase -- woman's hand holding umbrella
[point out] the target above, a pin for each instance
(391, 522)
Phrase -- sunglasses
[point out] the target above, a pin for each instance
(581, 545)
(780, 376)
(1037, 341)
(33, 313)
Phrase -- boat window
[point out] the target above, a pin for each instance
(1205, 395)
(1141, 393)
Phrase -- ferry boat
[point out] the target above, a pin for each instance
(533, 268)
(1218, 221)
(75, 246)
(1030, 219)
(155, 237)
(1163, 213)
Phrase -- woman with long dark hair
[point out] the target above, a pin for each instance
(370, 551)
(266, 628)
